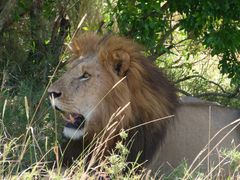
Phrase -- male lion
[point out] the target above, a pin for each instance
(107, 73)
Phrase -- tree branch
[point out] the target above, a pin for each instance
(182, 64)
(154, 56)
(226, 95)
(168, 33)
(201, 77)
(184, 92)
(60, 30)
(165, 6)
(223, 94)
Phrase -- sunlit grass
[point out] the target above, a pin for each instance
(29, 156)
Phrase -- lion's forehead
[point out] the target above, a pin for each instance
(86, 61)
(90, 65)
(75, 60)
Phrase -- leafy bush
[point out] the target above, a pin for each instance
(215, 25)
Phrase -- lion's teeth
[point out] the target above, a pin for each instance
(68, 118)
(71, 118)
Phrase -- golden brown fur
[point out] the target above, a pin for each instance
(149, 90)
(90, 44)
(112, 59)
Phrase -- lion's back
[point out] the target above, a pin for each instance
(194, 120)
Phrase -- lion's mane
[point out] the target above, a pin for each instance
(151, 94)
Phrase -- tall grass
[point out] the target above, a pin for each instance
(30, 154)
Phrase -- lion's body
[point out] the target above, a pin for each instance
(108, 73)
(189, 136)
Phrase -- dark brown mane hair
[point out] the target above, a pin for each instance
(152, 95)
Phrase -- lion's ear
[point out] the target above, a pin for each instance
(116, 53)
(120, 61)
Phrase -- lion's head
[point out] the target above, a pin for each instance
(105, 73)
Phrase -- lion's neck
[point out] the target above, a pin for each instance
(146, 140)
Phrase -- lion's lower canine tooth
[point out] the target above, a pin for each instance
(71, 118)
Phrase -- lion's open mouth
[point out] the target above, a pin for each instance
(74, 120)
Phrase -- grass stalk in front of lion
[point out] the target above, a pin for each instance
(191, 170)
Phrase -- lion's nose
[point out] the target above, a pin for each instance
(54, 94)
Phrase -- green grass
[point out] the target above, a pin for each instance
(29, 138)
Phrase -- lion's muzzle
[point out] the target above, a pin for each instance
(74, 128)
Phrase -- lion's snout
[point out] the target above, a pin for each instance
(54, 94)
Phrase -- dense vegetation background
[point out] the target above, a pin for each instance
(196, 42)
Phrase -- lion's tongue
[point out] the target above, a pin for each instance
(74, 120)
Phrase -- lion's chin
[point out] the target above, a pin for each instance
(72, 133)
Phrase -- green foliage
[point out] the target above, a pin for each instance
(178, 172)
(142, 20)
(31, 41)
(19, 120)
(214, 24)
(217, 25)
(234, 157)
(117, 161)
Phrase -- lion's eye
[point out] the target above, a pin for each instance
(84, 77)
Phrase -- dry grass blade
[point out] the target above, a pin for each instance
(79, 25)
(218, 165)
(189, 171)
